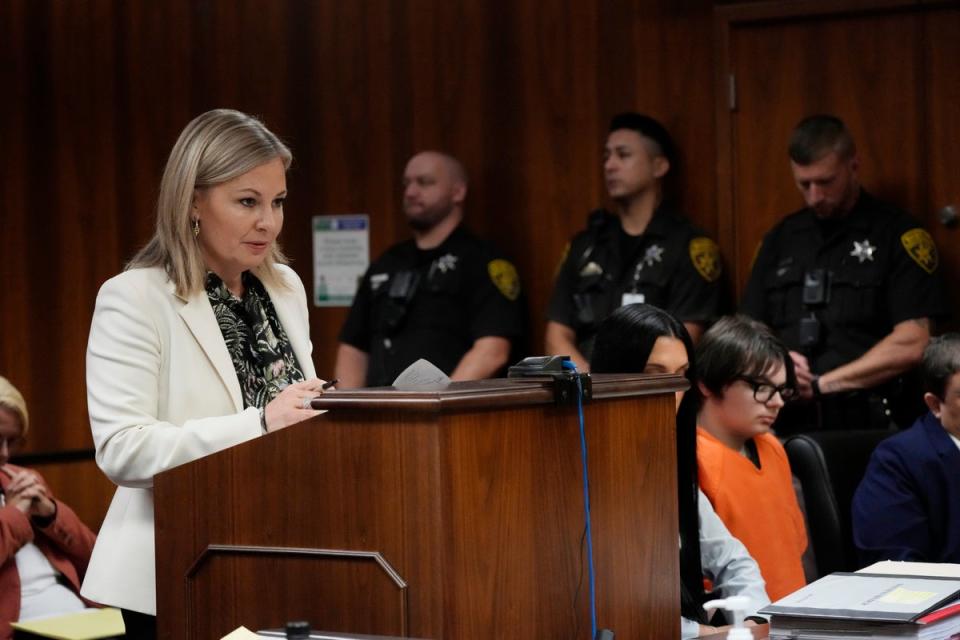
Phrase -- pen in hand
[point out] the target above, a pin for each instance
(325, 386)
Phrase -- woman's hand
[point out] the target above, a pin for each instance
(293, 404)
(28, 494)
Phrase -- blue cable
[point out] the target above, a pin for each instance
(586, 503)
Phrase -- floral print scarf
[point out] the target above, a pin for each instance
(257, 343)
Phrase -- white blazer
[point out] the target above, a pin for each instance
(162, 391)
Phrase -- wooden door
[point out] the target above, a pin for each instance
(941, 30)
(889, 69)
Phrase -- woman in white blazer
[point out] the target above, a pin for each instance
(200, 344)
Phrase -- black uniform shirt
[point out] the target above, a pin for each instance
(432, 304)
(881, 269)
(672, 265)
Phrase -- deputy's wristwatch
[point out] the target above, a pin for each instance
(815, 385)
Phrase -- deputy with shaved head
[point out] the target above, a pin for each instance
(443, 295)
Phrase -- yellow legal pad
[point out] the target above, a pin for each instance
(85, 625)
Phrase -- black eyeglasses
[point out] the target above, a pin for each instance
(763, 390)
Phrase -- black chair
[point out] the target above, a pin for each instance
(829, 466)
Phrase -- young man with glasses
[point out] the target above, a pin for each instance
(744, 376)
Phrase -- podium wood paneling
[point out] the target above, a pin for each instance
(453, 514)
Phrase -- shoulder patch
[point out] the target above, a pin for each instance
(921, 249)
(504, 277)
(705, 255)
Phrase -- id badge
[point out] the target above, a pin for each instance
(632, 298)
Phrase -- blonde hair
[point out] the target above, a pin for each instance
(12, 400)
(215, 147)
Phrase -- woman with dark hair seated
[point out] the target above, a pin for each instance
(640, 338)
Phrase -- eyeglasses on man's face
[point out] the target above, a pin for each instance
(764, 390)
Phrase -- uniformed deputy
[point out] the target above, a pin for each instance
(643, 252)
(850, 284)
(443, 295)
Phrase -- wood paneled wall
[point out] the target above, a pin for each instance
(96, 91)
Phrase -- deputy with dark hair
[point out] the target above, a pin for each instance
(907, 506)
(643, 252)
(849, 283)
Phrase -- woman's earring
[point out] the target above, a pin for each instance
(196, 227)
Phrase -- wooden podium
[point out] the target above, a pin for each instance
(455, 514)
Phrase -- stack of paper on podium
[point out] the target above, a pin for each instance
(871, 605)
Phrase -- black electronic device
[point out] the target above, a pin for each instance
(816, 287)
(809, 331)
(403, 286)
(568, 384)
(539, 366)
(298, 629)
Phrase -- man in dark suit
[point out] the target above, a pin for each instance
(908, 505)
